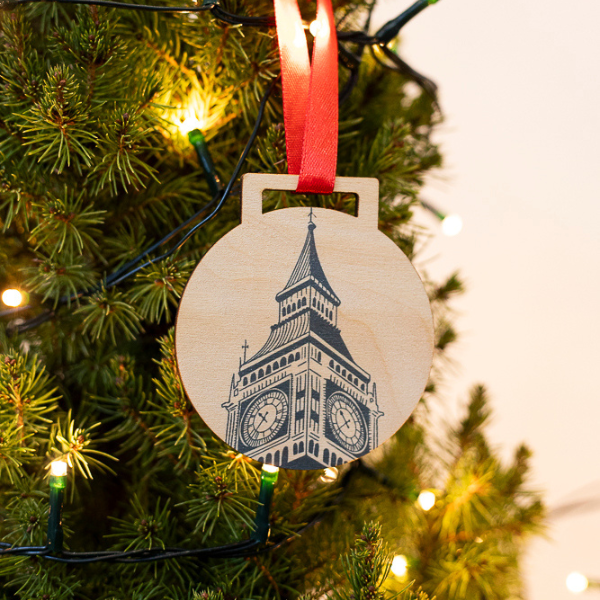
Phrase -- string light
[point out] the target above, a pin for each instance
(58, 468)
(272, 470)
(12, 297)
(577, 583)
(198, 140)
(399, 565)
(329, 475)
(314, 27)
(426, 500)
(262, 526)
(452, 225)
(242, 549)
(58, 483)
(319, 28)
(190, 123)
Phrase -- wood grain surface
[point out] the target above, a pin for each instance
(304, 337)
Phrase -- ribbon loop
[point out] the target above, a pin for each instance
(310, 95)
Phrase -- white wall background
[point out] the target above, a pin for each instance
(520, 87)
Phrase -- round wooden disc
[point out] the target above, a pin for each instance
(304, 341)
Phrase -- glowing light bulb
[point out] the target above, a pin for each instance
(452, 225)
(315, 27)
(319, 28)
(426, 500)
(58, 468)
(330, 475)
(577, 583)
(399, 565)
(12, 297)
(270, 468)
(189, 124)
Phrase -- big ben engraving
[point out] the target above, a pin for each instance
(302, 401)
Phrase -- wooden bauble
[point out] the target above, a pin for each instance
(304, 339)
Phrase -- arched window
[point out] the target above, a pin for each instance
(245, 381)
(326, 456)
(316, 449)
(314, 301)
(268, 369)
(319, 357)
(340, 461)
(269, 459)
(301, 447)
(343, 372)
(333, 459)
(297, 357)
(311, 446)
(362, 387)
(283, 363)
(261, 373)
(295, 448)
(277, 458)
(350, 376)
(303, 301)
(294, 306)
(253, 377)
(261, 460)
(275, 366)
(337, 368)
(285, 456)
(331, 364)
(291, 358)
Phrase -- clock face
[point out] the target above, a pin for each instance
(347, 423)
(264, 418)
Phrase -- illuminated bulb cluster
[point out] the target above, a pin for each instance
(399, 565)
(577, 583)
(12, 297)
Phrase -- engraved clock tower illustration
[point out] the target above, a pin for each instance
(301, 401)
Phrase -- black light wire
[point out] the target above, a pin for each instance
(348, 59)
(383, 35)
(352, 62)
(221, 201)
(235, 550)
(120, 275)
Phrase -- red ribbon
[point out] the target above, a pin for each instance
(310, 96)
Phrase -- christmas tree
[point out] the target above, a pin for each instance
(106, 209)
